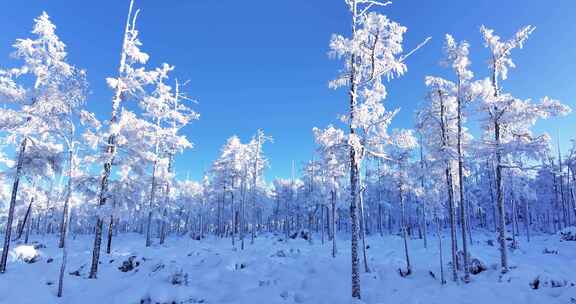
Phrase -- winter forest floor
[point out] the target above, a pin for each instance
(271, 271)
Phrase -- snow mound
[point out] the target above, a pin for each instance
(26, 253)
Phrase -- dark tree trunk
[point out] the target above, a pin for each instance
(24, 222)
(66, 210)
(8, 229)
(110, 230)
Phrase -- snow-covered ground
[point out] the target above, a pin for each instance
(272, 271)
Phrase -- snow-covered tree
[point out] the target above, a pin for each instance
(508, 120)
(332, 149)
(128, 84)
(372, 54)
(168, 113)
(437, 122)
(38, 118)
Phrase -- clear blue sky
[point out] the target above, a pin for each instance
(264, 64)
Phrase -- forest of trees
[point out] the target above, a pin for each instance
(67, 172)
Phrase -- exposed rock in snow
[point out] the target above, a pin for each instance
(477, 266)
(179, 277)
(550, 251)
(568, 234)
(550, 282)
(129, 264)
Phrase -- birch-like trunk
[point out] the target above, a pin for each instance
(423, 207)
(499, 186)
(243, 225)
(363, 230)
(439, 233)
(404, 230)
(62, 270)
(333, 221)
(254, 182)
(450, 190)
(24, 222)
(500, 203)
(63, 232)
(354, 169)
(151, 205)
(65, 211)
(166, 202)
(463, 215)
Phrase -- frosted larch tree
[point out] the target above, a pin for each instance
(508, 120)
(437, 121)
(30, 121)
(129, 83)
(372, 53)
(332, 149)
(457, 59)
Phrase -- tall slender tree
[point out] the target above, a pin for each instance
(129, 83)
(372, 53)
(508, 120)
(34, 119)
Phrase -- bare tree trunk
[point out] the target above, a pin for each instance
(453, 237)
(24, 222)
(65, 217)
(491, 171)
(354, 172)
(166, 202)
(363, 229)
(423, 207)
(500, 201)
(333, 221)
(463, 215)
(439, 233)
(450, 190)
(527, 219)
(565, 209)
(63, 265)
(322, 224)
(557, 200)
(425, 228)
(242, 212)
(380, 225)
(469, 223)
(235, 216)
(202, 221)
(163, 229)
(219, 219)
(96, 250)
(64, 227)
(8, 232)
(404, 231)
(151, 206)
(254, 182)
(110, 229)
(499, 186)
(572, 198)
(355, 227)
(515, 231)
